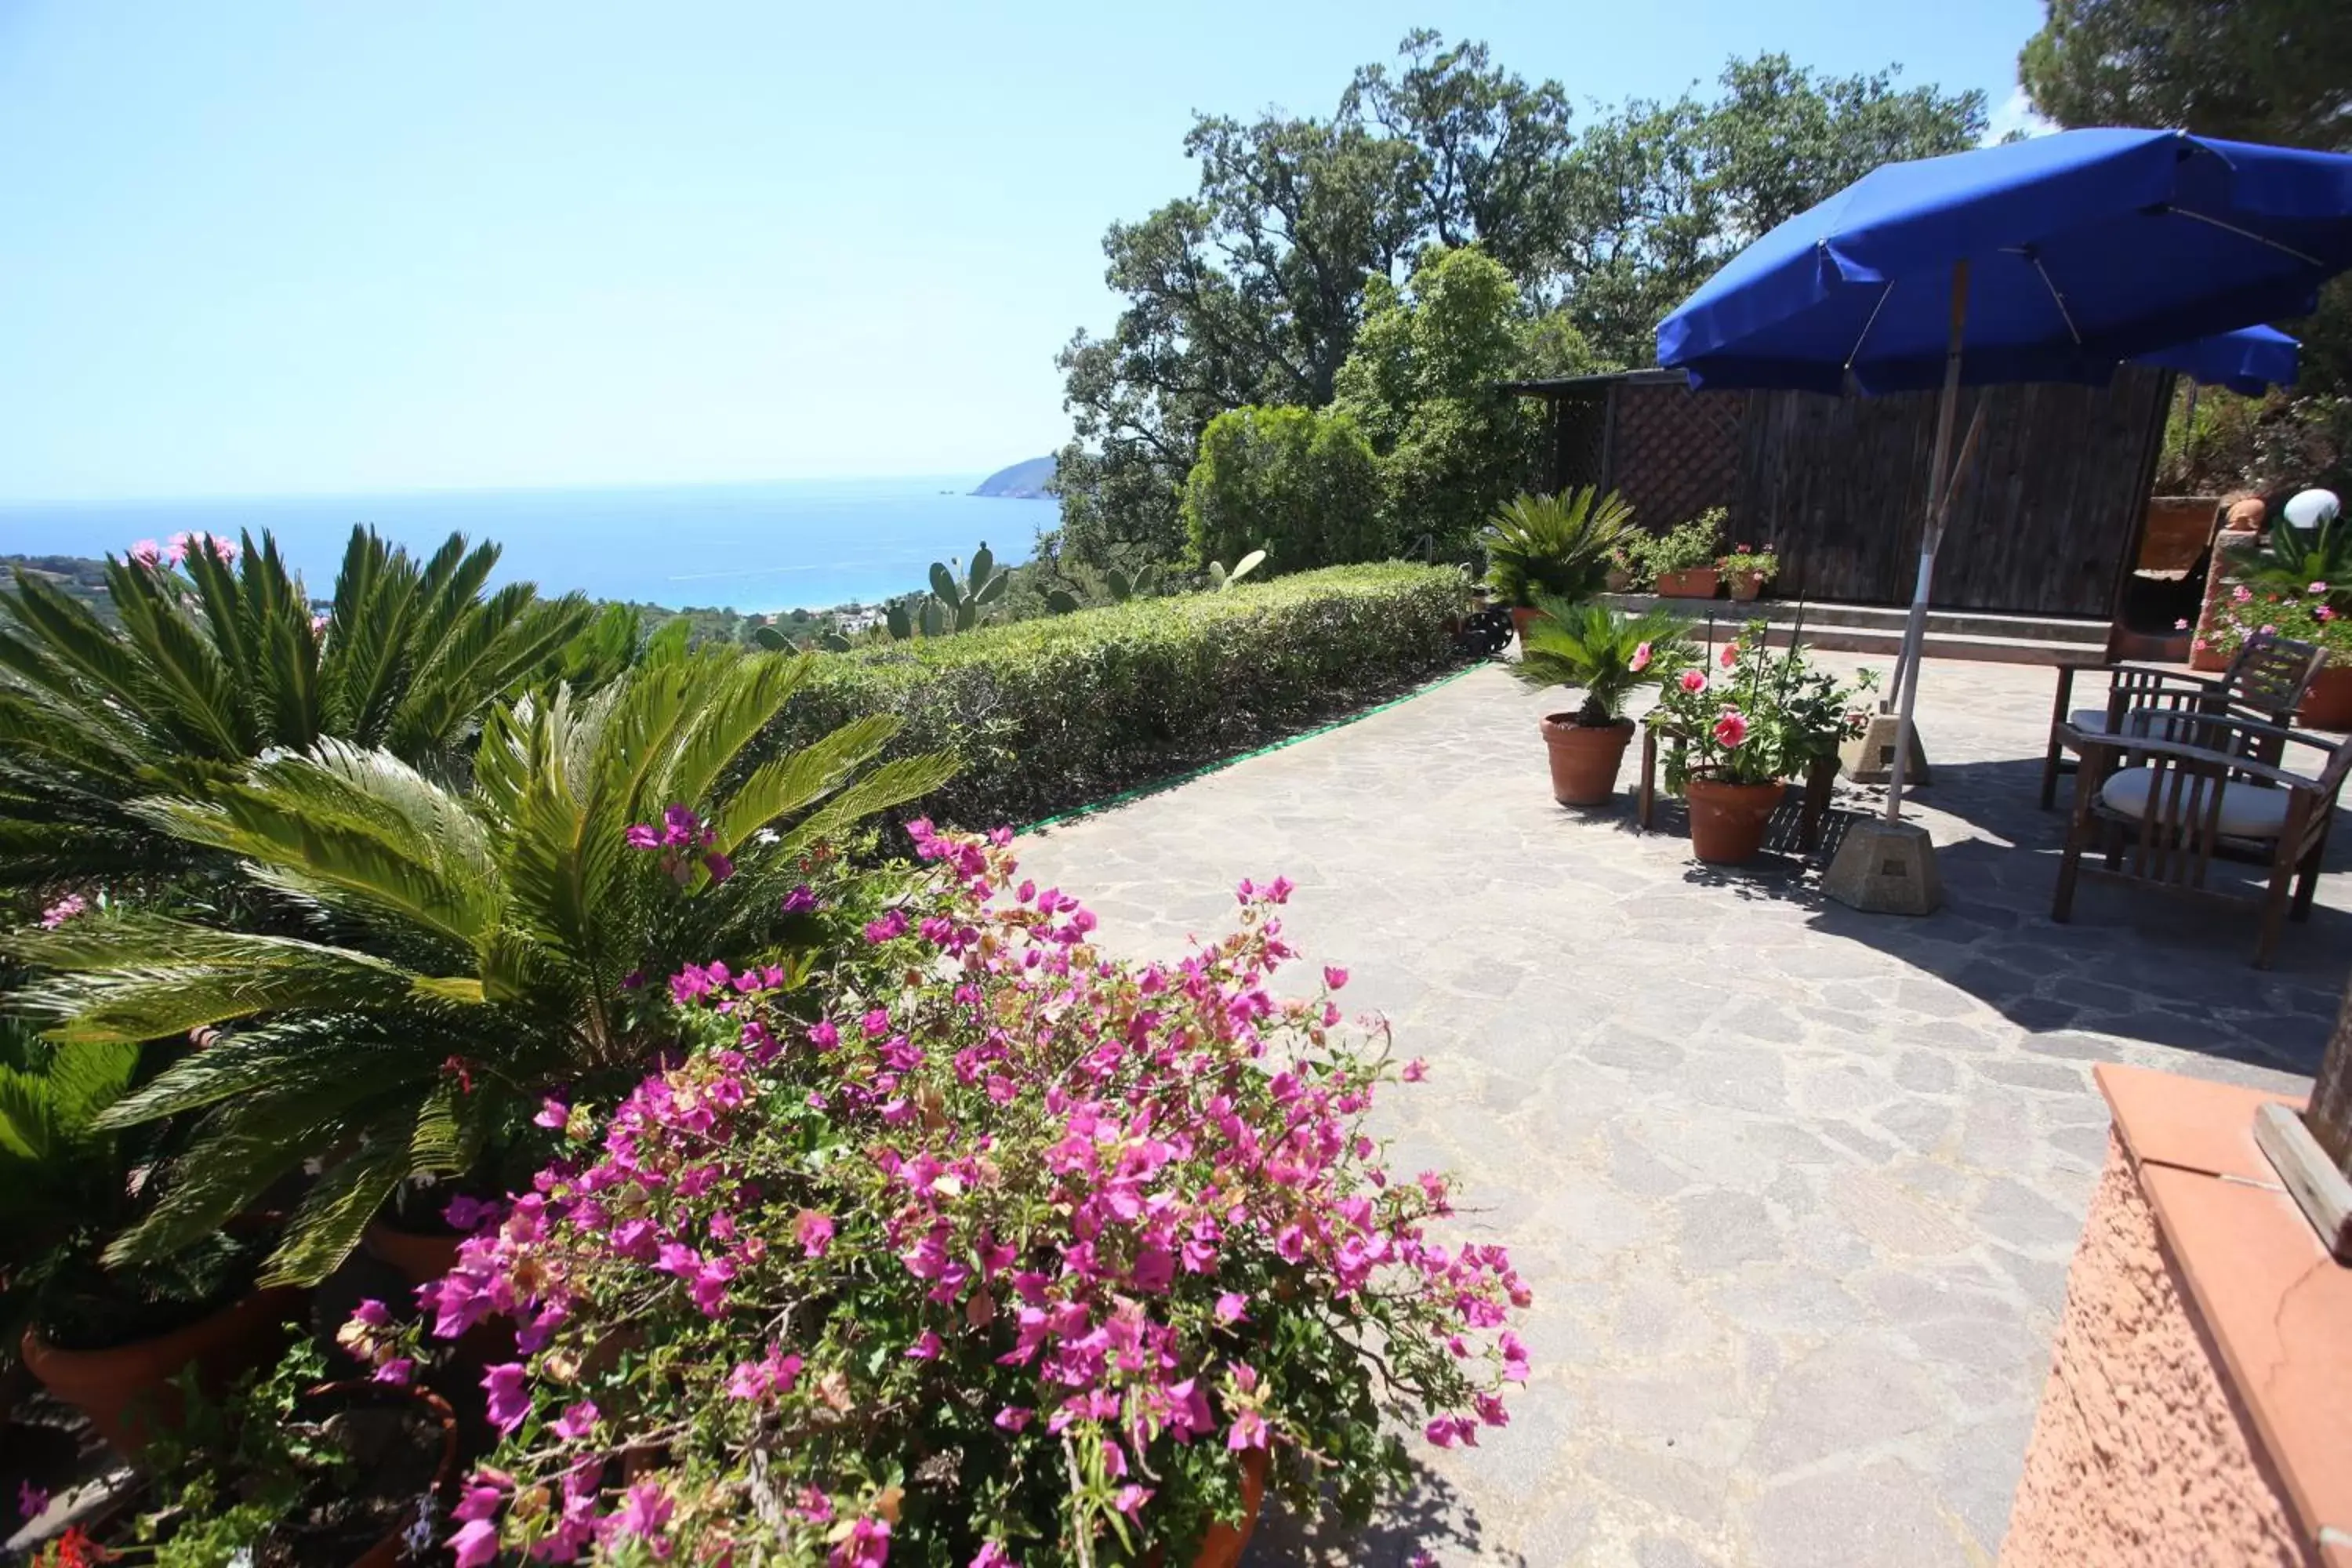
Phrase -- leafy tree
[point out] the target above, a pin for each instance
(1422, 383)
(209, 666)
(2254, 70)
(1300, 483)
(472, 947)
(1252, 289)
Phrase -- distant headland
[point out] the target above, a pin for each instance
(1021, 481)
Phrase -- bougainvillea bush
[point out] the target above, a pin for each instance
(979, 1248)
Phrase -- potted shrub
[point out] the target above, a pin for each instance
(1737, 731)
(905, 1260)
(1745, 571)
(2305, 615)
(1609, 656)
(111, 1342)
(1627, 571)
(1682, 562)
(1553, 546)
(289, 1469)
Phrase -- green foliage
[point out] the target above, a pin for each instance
(1688, 546)
(2297, 563)
(1554, 546)
(1607, 653)
(1422, 381)
(1744, 559)
(2254, 70)
(1048, 714)
(212, 664)
(1300, 483)
(1250, 290)
(471, 946)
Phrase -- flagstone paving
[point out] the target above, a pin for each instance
(1795, 1187)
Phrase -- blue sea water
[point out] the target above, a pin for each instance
(754, 548)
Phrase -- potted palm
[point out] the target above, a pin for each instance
(1738, 732)
(1554, 546)
(1610, 655)
(1681, 561)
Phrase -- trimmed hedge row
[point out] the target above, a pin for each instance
(1047, 715)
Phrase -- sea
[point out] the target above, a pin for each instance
(756, 548)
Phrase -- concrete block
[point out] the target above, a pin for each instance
(1887, 868)
(1869, 757)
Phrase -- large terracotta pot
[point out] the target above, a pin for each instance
(1584, 758)
(1745, 586)
(389, 1551)
(125, 1391)
(1699, 582)
(418, 1257)
(1225, 1543)
(1618, 580)
(2327, 705)
(1727, 821)
(1522, 617)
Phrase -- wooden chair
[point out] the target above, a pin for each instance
(2159, 811)
(2265, 683)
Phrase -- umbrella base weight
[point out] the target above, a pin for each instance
(1869, 757)
(1885, 868)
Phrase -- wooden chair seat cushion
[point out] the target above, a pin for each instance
(2247, 811)
(2138, 722)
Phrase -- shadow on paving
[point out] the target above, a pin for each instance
(1428, 1516)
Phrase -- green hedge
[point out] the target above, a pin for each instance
(1051, 714)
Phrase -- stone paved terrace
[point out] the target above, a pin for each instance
(1795, 1187)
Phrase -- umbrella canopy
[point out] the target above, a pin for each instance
(2250, 360)
(2084, 248)
(2049, 259)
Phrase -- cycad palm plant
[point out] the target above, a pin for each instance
(222, 659)
(1607, 654)
(1555, 545)
(474, 947)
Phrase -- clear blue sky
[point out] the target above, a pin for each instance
(254, 248)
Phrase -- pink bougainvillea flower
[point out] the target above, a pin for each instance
(644, 1508)
(475, 1544)
(1229, 1305)
(396, 1371)
(814, 1231)
(2324, 613)
(2319, 587)
(552, 1113)
(1640, 659)
(577, 1421)
(1693, 680)
(2242, 594)
(641, 835)
(508, 1388)
(991, 1554)
(868, 1545)
(318, 625)
(925, 1347)
(800, 900)
(64, 910)
(719, 867)
(2181, 624)
(1730, 657)
(1334, 977)
(147, 553)
(1730, 729)
(1415, 1070)
(2270, 631)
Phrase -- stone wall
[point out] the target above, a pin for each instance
(2141, 1455)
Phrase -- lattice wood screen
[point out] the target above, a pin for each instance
(1672, 452)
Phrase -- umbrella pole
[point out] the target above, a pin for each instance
(1915, 631)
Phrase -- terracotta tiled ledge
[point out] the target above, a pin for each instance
(2200, 1403)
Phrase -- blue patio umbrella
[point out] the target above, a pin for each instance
(2052, 260)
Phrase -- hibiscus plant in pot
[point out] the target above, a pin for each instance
(1738, 732)
(1610, 655)
(972, 1247)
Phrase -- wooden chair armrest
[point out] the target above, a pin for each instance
(2236, 722)
(2232, 761)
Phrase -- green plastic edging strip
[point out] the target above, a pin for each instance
(1157, 786)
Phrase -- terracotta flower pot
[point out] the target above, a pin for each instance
(1727, 821)
(1223, 1546)
(125, 1391)
(1619, 579)
(1584, 758)
(418, 1257)
(389, 1550)
(1746, 585)
(1699, 582)
(2327, 705)
(1523, 616)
